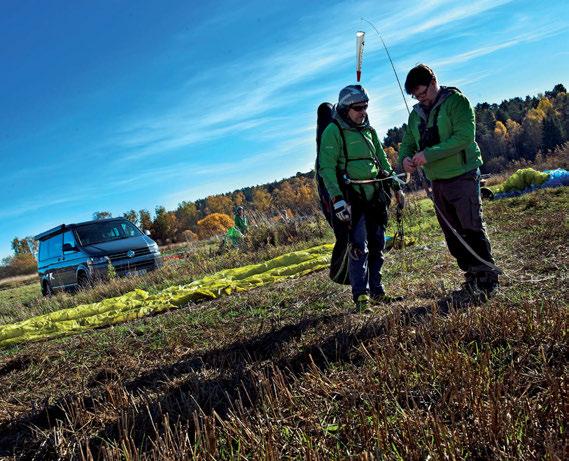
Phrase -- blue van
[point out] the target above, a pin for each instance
(76, 255)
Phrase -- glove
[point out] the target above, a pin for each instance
(400, 197)
(342, 210)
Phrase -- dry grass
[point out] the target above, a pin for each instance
(289, 372)
(11, 282)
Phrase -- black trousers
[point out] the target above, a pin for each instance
(458, 199)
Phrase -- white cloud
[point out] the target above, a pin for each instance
(534, 35)
(268, 79)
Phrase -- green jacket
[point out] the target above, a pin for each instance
(362, 147)
(457, 151)
(241, 223)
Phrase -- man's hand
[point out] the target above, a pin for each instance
(408, 165)
(419, 159)
(400, 198)
(342, 210)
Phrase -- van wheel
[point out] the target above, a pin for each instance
(83, 281)
(46, 289)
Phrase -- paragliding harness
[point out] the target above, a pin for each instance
(351, 192)
(339, 261)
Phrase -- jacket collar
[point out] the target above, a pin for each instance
(444, 93)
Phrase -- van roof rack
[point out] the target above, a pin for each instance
(63, 227)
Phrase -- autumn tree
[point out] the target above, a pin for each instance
(285, 196)
(500, 139)
(392, 155)
(19, 264)
(219, 204)
(532, 132)
(307, 196)
(132, 216)
(261, 199)
(213, 224)
(561, 106)
(514, 130)
(239, 198)
(145, 220)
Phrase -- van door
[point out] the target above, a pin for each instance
(51, 255)
(71, 260)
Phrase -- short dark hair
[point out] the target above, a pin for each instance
(421, 74)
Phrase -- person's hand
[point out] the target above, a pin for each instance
(342, 210)
(419, 159)
(408, 165)
(400, 198)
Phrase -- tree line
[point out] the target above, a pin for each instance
(512, 130)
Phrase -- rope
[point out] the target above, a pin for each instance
(453, 230)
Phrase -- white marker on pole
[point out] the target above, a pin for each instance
(359, 53)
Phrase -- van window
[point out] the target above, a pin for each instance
(51, 248)
(129, 230)
(68, 237)
(99, 232)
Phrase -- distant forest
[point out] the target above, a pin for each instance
(516, 129)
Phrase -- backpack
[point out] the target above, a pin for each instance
(339, 262)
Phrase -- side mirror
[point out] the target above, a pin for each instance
(147, 232)
(69, 247)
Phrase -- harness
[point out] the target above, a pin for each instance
(344, 179)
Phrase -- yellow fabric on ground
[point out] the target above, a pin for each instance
(139, 303)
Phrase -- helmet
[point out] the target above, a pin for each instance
(352, 94)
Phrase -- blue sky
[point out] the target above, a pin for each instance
(113, 105)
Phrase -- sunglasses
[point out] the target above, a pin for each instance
(359, 108)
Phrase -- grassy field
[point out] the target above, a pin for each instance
(195, 261)
(289, 371)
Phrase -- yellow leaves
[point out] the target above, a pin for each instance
(239, 198)
(219, 204)
(297, 193)
(500, 130)
(261, 199)
(391, 155)
(513, 128)
(214, 224)
(545, 106)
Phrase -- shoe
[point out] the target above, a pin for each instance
(362, 303)
(385, 299)
(489, 288)
(468, 295)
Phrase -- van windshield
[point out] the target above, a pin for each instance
(90, 234)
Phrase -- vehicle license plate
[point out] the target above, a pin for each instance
(136, 272)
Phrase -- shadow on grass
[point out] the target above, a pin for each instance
(236, 371)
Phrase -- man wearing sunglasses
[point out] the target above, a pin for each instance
(350, 150)
(440, 138)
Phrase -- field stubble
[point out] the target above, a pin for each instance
(289, 372)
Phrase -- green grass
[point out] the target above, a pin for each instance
(289, 372)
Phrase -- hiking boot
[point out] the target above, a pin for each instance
(362, 303)
(468, 295)
(489, 288)
(385, 299)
